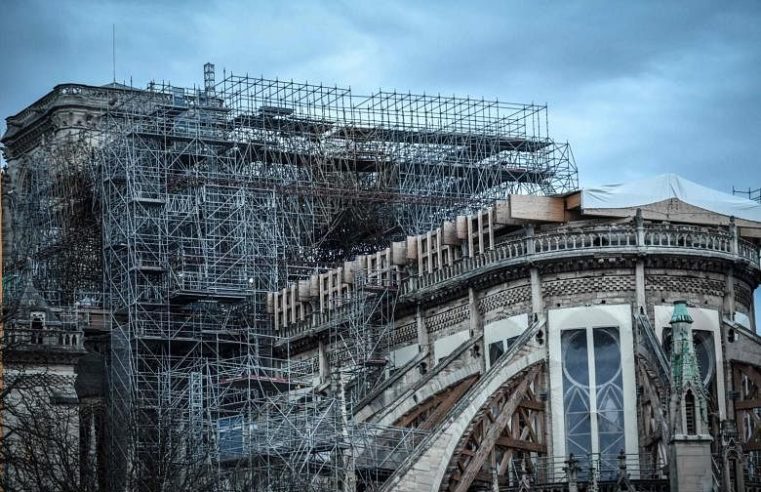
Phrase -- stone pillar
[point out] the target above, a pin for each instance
(537, 302)
(728, 304)
(476, 325)
(422, 335)
(690, 467)
(639, 281)
(728, 308)
(734, 246)
(324, 365)
(639, 223)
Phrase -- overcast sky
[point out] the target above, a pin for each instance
(638, 88)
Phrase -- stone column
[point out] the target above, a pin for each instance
(537, 302)
(324, 365)
(639, 281)
(422, 336)
(476, 325)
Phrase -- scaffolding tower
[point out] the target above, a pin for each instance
(204, 200)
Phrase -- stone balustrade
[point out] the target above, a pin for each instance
(27, 339)
(623, 239)
(563, 242)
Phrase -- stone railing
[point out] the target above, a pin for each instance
(45, 339)
(564, 242)
(631, 239)
(508, 253)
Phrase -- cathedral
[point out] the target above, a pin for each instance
(264, 285)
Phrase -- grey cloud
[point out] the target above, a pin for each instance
(636, 87)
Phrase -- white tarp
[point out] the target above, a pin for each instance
(665, 187)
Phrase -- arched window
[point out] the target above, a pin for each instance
(593, 393)
(37, 319)
(690, 421)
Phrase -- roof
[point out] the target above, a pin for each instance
(666, 187)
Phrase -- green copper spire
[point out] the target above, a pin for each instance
(680, 313)
(685, 374)
(684, 364)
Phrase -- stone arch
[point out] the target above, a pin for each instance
(427, 468)
(690, 413)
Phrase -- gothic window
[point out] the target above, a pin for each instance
(593, 391)
(704, 352)
(690, 422)
(37, 320)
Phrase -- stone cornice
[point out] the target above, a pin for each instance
(25, 127)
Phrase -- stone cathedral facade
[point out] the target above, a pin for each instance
(590, 340)
(547, 346)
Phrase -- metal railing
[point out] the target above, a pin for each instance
(590, 469)
(316, 431)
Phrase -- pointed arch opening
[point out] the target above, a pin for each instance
(690, 417)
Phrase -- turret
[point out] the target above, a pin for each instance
(689, 414)
(690, 446)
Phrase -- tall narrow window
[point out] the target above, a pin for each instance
(578, 427)
(689, 413)
(610, 393)
(593, 394)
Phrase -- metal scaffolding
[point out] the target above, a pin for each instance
(202, 201)
(751, 194)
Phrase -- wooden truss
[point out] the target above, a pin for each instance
(510, 426)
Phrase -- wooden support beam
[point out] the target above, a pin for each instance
(537, 208)
(507, 457)
(431, 411)
(532, 405)
(410, 417)
(573, 201)
(747, 404)
(447, 403)
(509, 442)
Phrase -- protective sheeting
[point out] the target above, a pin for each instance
(665, 187)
